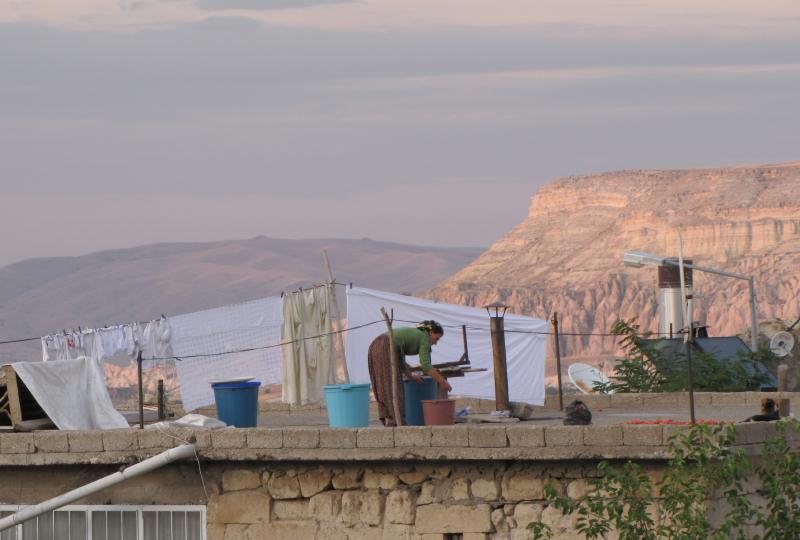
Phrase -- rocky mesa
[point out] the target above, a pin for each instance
(566, 256)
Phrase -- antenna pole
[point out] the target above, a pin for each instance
(686, 304)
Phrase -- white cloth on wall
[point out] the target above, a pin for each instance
(73, 393)
(308, 364)
(525, 352)
(217, 332)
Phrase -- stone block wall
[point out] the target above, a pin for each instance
(393, 501)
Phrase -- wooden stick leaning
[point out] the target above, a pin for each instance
(398, 419)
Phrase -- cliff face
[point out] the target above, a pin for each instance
(566, 256)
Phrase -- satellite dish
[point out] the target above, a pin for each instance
(584, 377)
(781, 344)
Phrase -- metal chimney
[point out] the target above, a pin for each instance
(670, 298)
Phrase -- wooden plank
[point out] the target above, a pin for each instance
(34, 425)
(12, 387)
(487, 418)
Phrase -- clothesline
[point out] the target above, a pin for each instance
(326, 334)
(509, 330)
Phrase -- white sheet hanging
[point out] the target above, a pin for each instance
(73, 393)
(525, 352)
(308, 364)
(216, 332)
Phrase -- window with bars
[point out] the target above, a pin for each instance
(111, 523)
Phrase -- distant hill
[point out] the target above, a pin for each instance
(566, 256)
(40, 295)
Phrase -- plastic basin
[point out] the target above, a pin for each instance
(439, 412)
(237, 402)
(348, 405)
(414, 394)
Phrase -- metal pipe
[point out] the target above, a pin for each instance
(150, 464)
(687, 312)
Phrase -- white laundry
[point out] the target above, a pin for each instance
(153, 339)
(308, 364)
(116, 339)
(67, 345)
(219, 332)
(525, 351)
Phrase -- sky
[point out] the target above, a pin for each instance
(128, 122)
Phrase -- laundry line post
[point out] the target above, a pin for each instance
(141, 389)
(558, 360)
(398, 417)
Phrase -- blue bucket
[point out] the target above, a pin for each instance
(237, 402)
(414, 394)
(348, 405)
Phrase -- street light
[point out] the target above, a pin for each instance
(637, 259)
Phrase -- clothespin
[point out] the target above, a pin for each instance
(281, 294)
(351, 284)
(163, 316)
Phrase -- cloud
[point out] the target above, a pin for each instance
(296, 120)
(266, 4)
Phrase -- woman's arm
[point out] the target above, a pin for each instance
(439, 378)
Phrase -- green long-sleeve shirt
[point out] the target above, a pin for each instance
(412, 342)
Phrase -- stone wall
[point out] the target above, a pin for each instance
(422, 483)
(393, 500)
(298, 501)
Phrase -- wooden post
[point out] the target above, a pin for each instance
(558, 360)
(141, 389)
(13, 395)
(162, 406)
(336, 314)
(500, 369)
(398, 417)
(783, 371)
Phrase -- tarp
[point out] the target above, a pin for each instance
(73, 393)
(217, 333)
(526, 342)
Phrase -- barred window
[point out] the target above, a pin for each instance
(111, 523)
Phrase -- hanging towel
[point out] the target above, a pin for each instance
(309, 360)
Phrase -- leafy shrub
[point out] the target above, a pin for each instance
(622, 499)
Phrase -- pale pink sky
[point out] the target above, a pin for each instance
(125, 122)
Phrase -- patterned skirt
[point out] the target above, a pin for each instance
(380, 375)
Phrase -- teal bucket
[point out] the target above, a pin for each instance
(237, 402)
(414, 394)
(348, 405)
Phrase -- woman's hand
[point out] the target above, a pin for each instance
(440, 379)
(415, 378)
